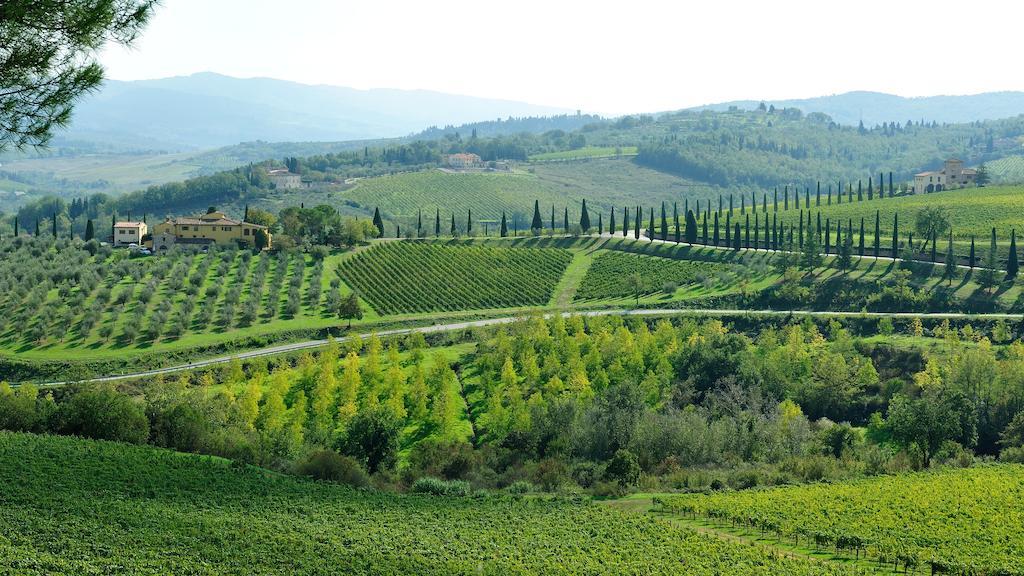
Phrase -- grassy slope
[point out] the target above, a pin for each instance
(72, 506)
(961, 516)
(603, 182)
(120, 172)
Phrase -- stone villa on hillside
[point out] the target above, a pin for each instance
(461, 161)
(953, 175)
(212, 228)
(284, 179)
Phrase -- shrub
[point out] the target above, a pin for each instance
(438, 487)
(104, 414)
(330, 466)
(520, 487)
(623, 468)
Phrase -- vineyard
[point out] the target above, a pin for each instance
(60, 296)
(72, 506)
(1008, 170)
(960, 521)
(409, 277)
(611, 275)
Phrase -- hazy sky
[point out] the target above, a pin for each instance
(605, 57)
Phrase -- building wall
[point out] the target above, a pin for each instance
(125, 235)
(217, 232)
(286, 181)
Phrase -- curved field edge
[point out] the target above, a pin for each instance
(73, 506)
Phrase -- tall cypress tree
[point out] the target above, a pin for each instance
(664, 223)
(650, 226)
(817, 229)
(437, 223)
(1012, 265)
(584, 217)
(871, 190)
(611, 222)
(801, 237)
(537, 223)
(757, 229)
(895, 236)
(716, 237)
(565, 221)
(600, 224)
(746, 233)
(807, 197)
(504, 226)
(728, 229)
(625, 222)
(730, 202)
(785, 199)
(90, 232)
(469, 222)
(453, 230)
(15, 226)
(675, 219)
(817, 201)
(839, 195)
(828, 227)
(419, 223)
(950, 269)
(849, 190)
(935, 240)
(736, 236)
(704, 229)
(378, 222)
(552, 229)
(743, 205)
(878, 233)
(892, 191)
(775, 233)
(639, 223)
(971, 258)
(860, 243)
(719, 204)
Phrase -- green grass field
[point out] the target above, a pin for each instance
(962, 519)
(605, 183)
(74, 506)
(118, 172)
(611, 275)
(406, 277)
(1008, 170)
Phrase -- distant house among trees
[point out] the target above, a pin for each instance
(126, 233)
(953, 175)
(284, 179)
(463, 160)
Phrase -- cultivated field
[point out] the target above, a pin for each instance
(956, 520)
(73, 506)
(406, 277)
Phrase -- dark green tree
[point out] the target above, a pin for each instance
(453, 231)
(844, 247)
(860, 242)
(704, 225)
(378, 223)
(469, 222)
(878, 233)
(811, 257)
(585, 218)
(746, 233)
(971, 259)
(90, 232)
(664, 223)
(565, 221)
(437, 223)
(828, 229)
(716, 238)
(690, 234)
(736, 237)
(600, 224)
(504, 226)
(895, 236)
(350, 309)
(49, 59)
(537, 225)
(419, 223)
(650, 226)
(625, 222)
(675, 219)
(1012, 265)
(611, 222)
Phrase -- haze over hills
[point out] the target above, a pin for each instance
(207, 110)
(876, 107)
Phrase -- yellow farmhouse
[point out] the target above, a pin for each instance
(212, 228)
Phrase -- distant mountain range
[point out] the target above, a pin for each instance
(875, 107)
(208, 110)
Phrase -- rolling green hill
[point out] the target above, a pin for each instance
(73, 506)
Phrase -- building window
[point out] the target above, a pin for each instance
(245, 232)
(185, 228)
(225, 228)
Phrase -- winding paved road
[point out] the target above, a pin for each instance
(455, 326)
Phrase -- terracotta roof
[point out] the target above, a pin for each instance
(970, 171)
(127, 224)
(218, 222)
